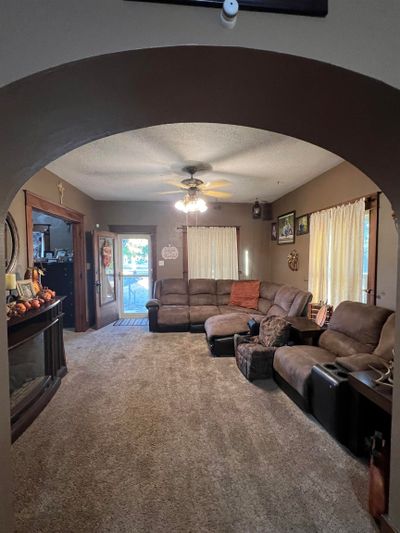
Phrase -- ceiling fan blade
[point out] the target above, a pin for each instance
(215, 184)
(176, 183)
(169, 192)
(217, 194)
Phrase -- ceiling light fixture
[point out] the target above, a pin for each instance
(256, 209)
(191, 203)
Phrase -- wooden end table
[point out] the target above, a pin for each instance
(371, 412)
(371, 409)
(305, 330)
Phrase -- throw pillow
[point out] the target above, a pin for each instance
(274, 331)
(245, 294)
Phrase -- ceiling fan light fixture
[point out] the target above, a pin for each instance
(191, 204)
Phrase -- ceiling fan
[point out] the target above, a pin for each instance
(192, 202)
(194, 186)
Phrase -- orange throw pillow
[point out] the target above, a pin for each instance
(245, 294)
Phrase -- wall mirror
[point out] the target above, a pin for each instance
(11, 243)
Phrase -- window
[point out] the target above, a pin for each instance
(365, 257)
(212, 252)
(342, 262)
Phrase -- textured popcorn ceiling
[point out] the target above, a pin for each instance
(137, 165)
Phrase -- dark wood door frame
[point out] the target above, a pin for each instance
(372, 205)
(33, 201)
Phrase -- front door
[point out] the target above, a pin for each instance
(106, 290)
(135, 274)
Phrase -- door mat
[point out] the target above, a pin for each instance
(131, 322)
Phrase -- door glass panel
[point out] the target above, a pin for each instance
(135, 274)
(107, 270)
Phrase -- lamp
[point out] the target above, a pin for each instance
(256, 209)
(11, 285)
(191, 203)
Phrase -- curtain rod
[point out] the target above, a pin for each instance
(368, 197)
(211, 226)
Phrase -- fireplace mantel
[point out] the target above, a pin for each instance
(36, 362)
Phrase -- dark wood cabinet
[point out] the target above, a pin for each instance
(60, 278)
(36, 362)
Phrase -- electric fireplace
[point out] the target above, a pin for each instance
(36, 362)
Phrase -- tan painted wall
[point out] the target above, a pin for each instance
(339, 184)
(253, 233)
(44, 184)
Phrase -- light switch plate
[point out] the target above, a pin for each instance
(161, 263)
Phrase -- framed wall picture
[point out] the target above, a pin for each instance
(303, 225)
(273, 231)
(286, 228)
(26, 290)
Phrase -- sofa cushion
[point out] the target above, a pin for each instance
(387, 338)
(268, 291)
(229, 309)
(245, 294)
(264, 305)
(360, 361)
(274, 331)
(173, 315)
(294, 364)
(199, 313)
(224, 287)
(359, 322)
(202, 292)
(284, 299)
(341, 344)
(226, 325)
(174, 292)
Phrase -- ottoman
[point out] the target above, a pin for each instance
(220, 330)
(253, 359)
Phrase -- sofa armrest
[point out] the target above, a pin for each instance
(239, 339)
(153, 306)
(360, 361)
(153, 303)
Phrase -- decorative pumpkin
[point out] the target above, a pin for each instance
(35, 304)
(20, 308)
(28, 305)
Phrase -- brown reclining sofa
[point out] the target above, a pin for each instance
(200, 305)
(358, 335)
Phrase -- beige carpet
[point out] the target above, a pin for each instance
(149, 433)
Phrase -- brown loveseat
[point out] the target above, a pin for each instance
(358, 335)
(200, 305)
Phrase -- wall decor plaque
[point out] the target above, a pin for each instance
(169, 252)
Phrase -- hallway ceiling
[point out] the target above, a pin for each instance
(138, 165)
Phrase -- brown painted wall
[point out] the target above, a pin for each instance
(338, 185)
(44, 184)
(253, 233)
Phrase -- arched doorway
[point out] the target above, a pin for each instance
(49, 114)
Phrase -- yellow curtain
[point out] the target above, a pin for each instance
(336, 253)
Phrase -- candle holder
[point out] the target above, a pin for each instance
(11, 285)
